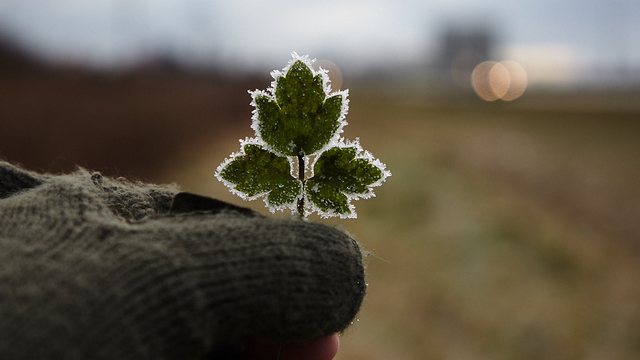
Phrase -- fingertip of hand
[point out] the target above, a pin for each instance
(324, 348)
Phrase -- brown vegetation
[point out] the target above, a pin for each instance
(122, 124)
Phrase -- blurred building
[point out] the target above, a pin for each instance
(461, 50)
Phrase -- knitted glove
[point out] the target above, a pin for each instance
(97, 268)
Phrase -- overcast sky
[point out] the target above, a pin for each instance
(353, 33)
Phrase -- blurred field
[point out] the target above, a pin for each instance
(505, 234)
(507, 231)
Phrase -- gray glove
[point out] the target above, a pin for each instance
(97, 268)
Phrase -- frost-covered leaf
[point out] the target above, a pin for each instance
(297, 119)
(341, 174)
(256, 172)
(298, 116)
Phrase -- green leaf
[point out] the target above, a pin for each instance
(257, 172)
(301, 119)
(338, 177)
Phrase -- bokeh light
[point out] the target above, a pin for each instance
(335, 75)
(499, 80)
(506, 80)
(481, 82)
(518, 80)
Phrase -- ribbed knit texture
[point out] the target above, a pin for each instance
(97, 268)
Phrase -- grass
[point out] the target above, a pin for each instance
(505, 232)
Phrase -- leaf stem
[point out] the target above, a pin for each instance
(301, 168)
